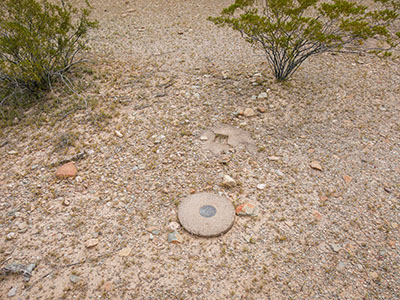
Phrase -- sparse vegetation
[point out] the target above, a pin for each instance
(39, 43)
(290, 31)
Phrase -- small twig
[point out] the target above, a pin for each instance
(4, 261)
(67, 266)
(140, 107)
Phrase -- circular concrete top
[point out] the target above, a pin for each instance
(206, 214)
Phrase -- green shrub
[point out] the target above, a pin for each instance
(290, 31)
(39, 43)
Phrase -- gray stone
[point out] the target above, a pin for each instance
(341, 266)
(30, 267)
(206, 214)
(12, 292)
(175, 238)
(262, 95)
(336, 247)
(74, 278)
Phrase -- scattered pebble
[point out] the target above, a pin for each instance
(249, 112)
(317, 215)
(261, 109)
(347, 179)
(155, 232)
(91, 243)
(118, 133)
(12, 292)
(12, 152)
(30, 268)
(125, 252)
(289, 223)
(174, 226)
(247, 209)
(74, 278)
(22, 227)
(66, 202)
(341, 266)
(316, 165)
(261, 186)
(249, 239)
(273, 158)
(11, 236)
(228, 181)
(67, 170)
(335, 247)
(107, 286)
(323, 198)
(374, 275)
(175, 238)
(203, 138)
(279, 173)
(263, 95)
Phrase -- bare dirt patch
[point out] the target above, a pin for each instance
(160, 75)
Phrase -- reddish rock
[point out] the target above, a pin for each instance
(107, 286)
(67, 170)
(323, 198)
(246, 209)
(317, 215)
(261, 109)
(347, 179)
(316, 166)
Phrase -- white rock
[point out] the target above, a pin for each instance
(228, 181)
(91, 243)
(118, 133)
(261, 186)
(203, 138)
(174, 226)
(273, 158)
(263, 95)
(125, 252)
(11, 236)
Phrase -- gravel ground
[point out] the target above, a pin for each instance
(160, 75)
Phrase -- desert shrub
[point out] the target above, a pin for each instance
(39, 43)
(290, 31)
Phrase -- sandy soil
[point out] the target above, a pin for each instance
(159, 75)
